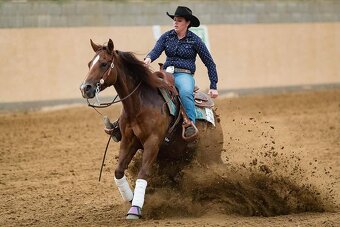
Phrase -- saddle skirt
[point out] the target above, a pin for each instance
(203, 105)
(203, 99)
(203, 102)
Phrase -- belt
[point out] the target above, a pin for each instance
(172, 69)
(179, 70)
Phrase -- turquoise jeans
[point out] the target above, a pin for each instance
(185, 84)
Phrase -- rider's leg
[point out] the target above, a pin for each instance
(116, 134)
(185, 84)
(114, 130)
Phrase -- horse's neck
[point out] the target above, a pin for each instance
(129, 95)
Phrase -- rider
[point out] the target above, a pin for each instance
(181, 47)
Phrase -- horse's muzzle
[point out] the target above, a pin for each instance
(87, 90)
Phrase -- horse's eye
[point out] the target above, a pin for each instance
(104, 64)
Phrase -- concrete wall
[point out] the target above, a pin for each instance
(50, 63)
(256, 43)
(68, 13)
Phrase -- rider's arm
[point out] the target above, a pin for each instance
(208, 61)
(158, 48)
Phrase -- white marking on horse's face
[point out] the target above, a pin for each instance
(95, 60)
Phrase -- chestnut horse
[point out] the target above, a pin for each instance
(144, 121)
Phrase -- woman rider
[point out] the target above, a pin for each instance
(181, 47)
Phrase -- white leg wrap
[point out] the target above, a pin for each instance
(138, 198)
(124, 189)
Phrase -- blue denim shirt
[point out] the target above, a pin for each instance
(182, 53)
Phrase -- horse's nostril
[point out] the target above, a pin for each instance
(87, 90)
(87, 87)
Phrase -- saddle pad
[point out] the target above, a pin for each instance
(171, 105)
(202, 113)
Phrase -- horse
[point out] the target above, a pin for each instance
(145, 122)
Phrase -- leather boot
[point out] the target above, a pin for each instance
(113, 130)
(189, 131)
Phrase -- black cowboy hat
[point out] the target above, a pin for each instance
(185, 12)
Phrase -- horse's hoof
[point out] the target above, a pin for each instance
(132, 217)
(134, 213)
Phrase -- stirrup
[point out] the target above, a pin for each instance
(186, 125)
(135, 212)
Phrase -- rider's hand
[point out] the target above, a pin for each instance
(147, 61)
(213, 93)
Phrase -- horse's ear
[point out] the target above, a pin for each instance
(95, 47)
(110, 46)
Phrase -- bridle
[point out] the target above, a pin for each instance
(101, 82)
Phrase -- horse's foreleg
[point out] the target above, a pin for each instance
(124, 188)
(149, 157)
(126, 153)
(135, 211)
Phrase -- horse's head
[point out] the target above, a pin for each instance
(102, 72)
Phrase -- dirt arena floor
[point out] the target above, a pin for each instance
(281, 167)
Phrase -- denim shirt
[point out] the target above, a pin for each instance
(182, 53)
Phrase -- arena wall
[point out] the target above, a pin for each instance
(50, 63)
(255, 43)
(74, 13)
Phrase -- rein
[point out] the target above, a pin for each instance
(107, 104)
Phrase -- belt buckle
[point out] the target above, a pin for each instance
(170, 69)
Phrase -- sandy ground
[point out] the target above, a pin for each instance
(281, 168)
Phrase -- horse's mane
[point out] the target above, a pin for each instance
(139, 71)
